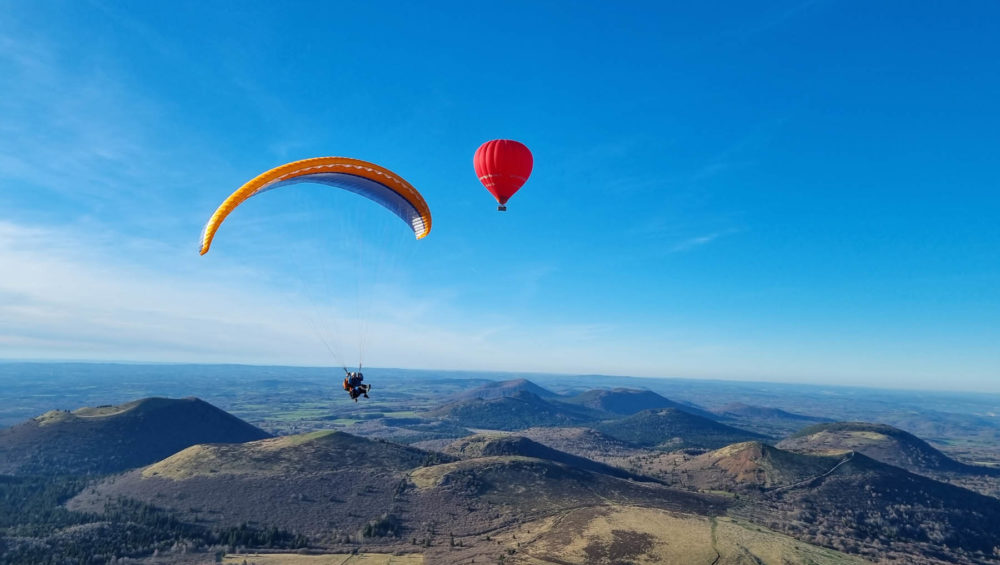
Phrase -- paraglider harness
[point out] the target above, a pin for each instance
(352, 384)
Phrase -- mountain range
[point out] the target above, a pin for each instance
(609, 476)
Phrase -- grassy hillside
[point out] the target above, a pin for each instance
(895, 447)
(108, 439)
(277, 457)
(761, 419)
(751, 466)
(333, 487)
(485, 445)
(674, 429)
(492, 492)
(635, 534)
(741, 410)
(865, 506)
(627, 401)
(881, 442)
(522, 410)
(341, 490)
(584, 442)
(36, 528)
(326, 484)
(323, 559)
(408, 430)
(503, 389)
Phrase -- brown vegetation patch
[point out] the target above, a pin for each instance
(325, 559)
(625, 545)
(648, 536)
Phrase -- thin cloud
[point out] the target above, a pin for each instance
(86, 139)
(67, 294)
(695, 242)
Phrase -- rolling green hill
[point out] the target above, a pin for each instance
(751, 466)
(330, 485)
(303, 482)
(761, 419)
(628, 401)
(485, 445)
(741, 410)
(864, 505)
(882, 443)
(108, 439)
(500, 389)
(521, 410)
(674, 429)
(584, 442)
(848, 501)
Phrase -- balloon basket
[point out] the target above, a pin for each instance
(501, 208)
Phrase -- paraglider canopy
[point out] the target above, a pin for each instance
(503, 166)
(361, 177)
(362, 256)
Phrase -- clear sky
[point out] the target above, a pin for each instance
(789, 191)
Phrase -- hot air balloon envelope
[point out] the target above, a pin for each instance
(503, 166)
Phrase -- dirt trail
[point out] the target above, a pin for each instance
(811, 479)
(715, 547)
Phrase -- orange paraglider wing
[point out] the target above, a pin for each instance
(361, 177)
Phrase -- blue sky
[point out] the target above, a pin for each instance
(796, 191)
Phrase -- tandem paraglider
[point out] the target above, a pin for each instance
(373, 182)
(354, 386)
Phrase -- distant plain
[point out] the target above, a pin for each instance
(283, 400)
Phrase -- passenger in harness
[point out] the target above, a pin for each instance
(352, 384)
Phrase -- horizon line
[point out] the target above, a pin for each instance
(729, 381)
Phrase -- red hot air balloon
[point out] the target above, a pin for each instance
(503, 166)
